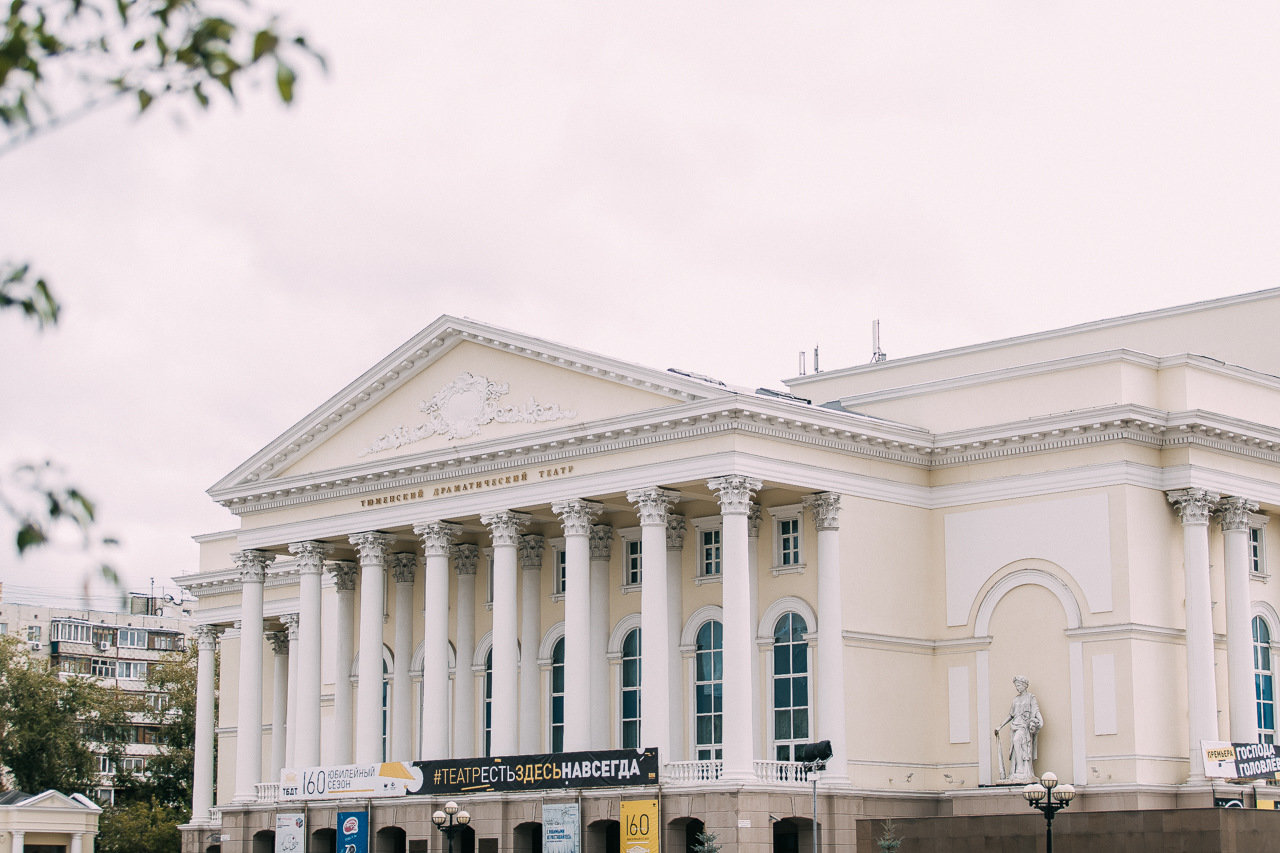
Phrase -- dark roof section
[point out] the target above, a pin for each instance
(783, 395)
(9, 798)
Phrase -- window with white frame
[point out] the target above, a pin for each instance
(106, 796)
(165, 642)
(707, 531)
(787, 524)
(557, 696)
(488, 558)
(708, 691)
(632, 565)
(488, 701)
(33, 633)
(631, 690)
(105, 764)
(1264, 681)
(558, 584)
(131, 638)
(135, 669)
(1257, 561)
(71, 632)
(386, 709)
(790, 685)
(133, 764)
(103, 668)
(4, 627)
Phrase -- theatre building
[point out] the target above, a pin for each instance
(492, 545)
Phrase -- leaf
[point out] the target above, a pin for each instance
(264, 42)
(30, 534)
(144, 100)
(285, 78)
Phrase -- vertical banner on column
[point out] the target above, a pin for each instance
(353, 832)
(560, 828)
(639, 826)
(291, 832)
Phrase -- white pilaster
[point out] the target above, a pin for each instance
(436, 538)
(1194, 507)
(740, 717)
(19, 840)
(676, 529)
(253, 570)
(344, 582)
(655, 635)
(279, 701)
(77, 842)
(753, 584)
(290, 622)
(306, 718)
(371, 548)
(576, 516)
(530, 550)
(504, 529)
(206, 637)
(403, 567)
(829, 695)
(1234, 513)
(601, 542)
(465, 557)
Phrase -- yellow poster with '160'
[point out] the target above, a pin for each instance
(639, 826)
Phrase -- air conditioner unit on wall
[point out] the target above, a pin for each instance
(35, 645)
(103, 646)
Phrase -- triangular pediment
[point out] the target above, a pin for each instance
(459, 383)
(55, 800)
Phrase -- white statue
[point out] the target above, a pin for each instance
(1024, 715)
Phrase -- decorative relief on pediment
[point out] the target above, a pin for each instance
(461, 408)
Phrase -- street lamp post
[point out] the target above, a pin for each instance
(450, 821)
(1049, 798)
(814, 757)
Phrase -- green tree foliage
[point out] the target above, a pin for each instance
(706, 842)
(140, 826)
(889, 840)
(49, 727)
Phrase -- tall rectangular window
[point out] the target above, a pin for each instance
(1256, 563)
(709, 553)
(789, 542)
(631, 690)
(561, 571)
(631, 566)
(708, 691)
(131, 638)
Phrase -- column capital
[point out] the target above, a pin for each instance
(1234, 513)
(652, 503)
(437, 536)
(290, 622)
(344, 574)
(253, 565)
(465, 557)
(371, 546)
(735, 492)
(576, 515)
(206, 637)
(310, 556)
(1194, 506)
(601, 541)
(504, 526)
(530, 546)
(676, 529)
(403, 566)
(279, 641)
(826, 509)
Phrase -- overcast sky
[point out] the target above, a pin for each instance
(707, 186)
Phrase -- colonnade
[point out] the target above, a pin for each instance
(516, 707)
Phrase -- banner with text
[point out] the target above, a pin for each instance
(613, 768)
(348, 781)
(560, 828)
(1224, 760)
(639, 819)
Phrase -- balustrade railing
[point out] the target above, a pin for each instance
(267, 792)
(781, 771)
(693, 771)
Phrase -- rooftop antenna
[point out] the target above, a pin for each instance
(815, 359)
(802, 363)
(877, 354)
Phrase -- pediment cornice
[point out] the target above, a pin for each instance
(414, 356)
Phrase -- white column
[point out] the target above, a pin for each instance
(753, 584)
(530, 550)
(740, 717)
(344, 582)
(279, 702)
(465, 557)
(829, 693)
(77, 842)
(601, 543)
(436, 536)
(253, 571)
(504, 528)
(403, 569)
(1234, 513)
(576, 515)
(19, 840)
(371, 548)
(655, 654)
(206, 637)
(306, 715)
(290, 621)
(674, 564)
(1194, 507)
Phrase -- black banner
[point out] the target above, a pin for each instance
(613, 768)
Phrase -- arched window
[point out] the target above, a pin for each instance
(557, 696)
(1264, 681)
(708, 690)
(790, 685)
(631, 690)
(488, 700)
